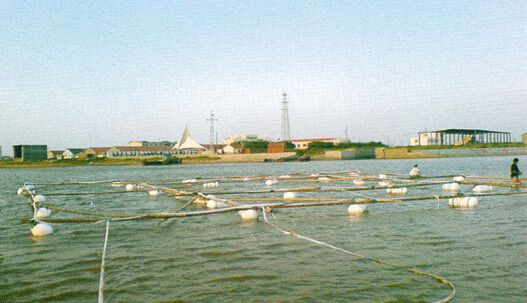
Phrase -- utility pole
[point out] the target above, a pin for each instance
(212, 132)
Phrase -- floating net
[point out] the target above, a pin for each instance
(254, 197)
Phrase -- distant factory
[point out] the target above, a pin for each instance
(456, 136)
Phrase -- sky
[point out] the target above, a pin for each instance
(102, 73)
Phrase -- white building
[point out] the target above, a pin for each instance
(72, 153)
(304, 143)
(240, 137)
(151, 143)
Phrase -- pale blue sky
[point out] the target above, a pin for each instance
(79, 73)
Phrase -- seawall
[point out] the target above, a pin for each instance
(406, 153)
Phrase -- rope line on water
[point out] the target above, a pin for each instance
(101, 279)
(410, 269)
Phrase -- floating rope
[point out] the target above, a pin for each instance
(410, 269)
(101, 279)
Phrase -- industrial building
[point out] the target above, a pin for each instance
(455, 136)
(30, 152)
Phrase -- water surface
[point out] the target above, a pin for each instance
(482, 251)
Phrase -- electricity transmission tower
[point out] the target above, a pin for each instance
(286, 133)
(212, 132)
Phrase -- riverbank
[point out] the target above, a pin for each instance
(231, 158)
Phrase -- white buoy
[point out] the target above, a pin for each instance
(464, 202)
(358, 182)
(355, 209)
(200, 200)
(189, 181)
(21, 191)
(154, 193)
(130, 187)
(248, 215)
(384, 183)
(39, 198)
(41, 229)
(212, 204)
(289, 195)
(43, 213)
(451, 186)
(211, 184)
(397, 191)
(324, 179)
(271, 182)
(459, 178)
(482, 188)
(382, 176)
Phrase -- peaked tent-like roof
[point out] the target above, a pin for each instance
(186, 141)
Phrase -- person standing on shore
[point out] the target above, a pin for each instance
(515, 173)
(415, 172)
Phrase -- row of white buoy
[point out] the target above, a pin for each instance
(213, 203)
(397, 191)
(41, 228)
(478, 188)
(189, 181)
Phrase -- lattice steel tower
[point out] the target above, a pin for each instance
(286, 132)
(212, 132)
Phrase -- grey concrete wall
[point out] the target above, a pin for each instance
(476, 152)
(351, 154)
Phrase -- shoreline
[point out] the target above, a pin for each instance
(219, 159)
